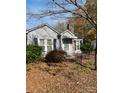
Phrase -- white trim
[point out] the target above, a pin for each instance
(52, 44)
(67, 31)
(41, 26)
(76, 50)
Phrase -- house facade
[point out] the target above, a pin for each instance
(50, 39)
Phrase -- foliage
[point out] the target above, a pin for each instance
(55, 56)
(91, 6)
(33, 53)
(86, 47)
(81, 26)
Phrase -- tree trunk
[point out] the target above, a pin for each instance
(96, 58)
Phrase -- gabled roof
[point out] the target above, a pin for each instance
(71, 35)
(40, 26)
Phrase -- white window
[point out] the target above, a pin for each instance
(42, 44)
(49, 45)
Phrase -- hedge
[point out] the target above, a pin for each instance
(33, 53)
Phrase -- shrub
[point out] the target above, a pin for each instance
(33, 53)
(86, 48)
(55, 56)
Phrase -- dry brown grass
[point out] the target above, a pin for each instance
(63, 77)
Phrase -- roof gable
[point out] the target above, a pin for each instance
(41, 26)
(68, 34)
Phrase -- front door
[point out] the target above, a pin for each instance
(67, 45)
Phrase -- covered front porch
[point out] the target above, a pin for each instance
(70, 43)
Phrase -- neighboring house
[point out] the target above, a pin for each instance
(50, 39)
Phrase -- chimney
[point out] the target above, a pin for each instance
(67, 26)
(70, 27)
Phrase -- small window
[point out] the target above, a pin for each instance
(35, 41)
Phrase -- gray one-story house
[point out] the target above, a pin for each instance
(50, 39)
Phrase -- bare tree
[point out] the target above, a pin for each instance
(79, 9)
(60, 26)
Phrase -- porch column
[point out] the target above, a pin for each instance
(79, 43)
(59, 39)
(38, 41)
(52, 40)
(45, 45)
(73, 45)
(62, 45)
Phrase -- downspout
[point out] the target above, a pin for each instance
(26, 38)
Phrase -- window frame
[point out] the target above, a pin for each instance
(49, 45)
(42, 45)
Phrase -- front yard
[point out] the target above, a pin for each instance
(65, 77)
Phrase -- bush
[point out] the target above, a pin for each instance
(33, 53)
(86, 48)
(55, 56)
